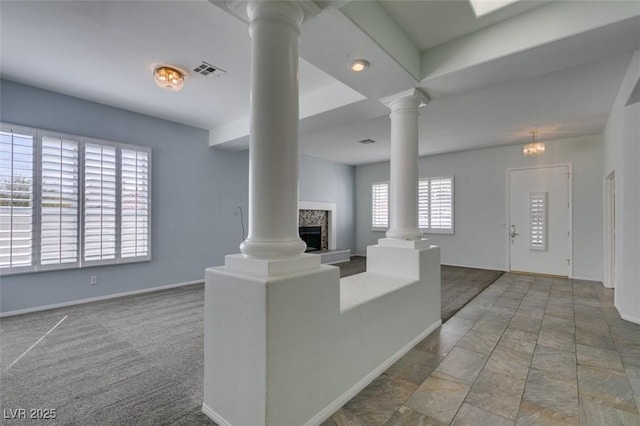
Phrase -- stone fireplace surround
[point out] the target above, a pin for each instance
(316, 218)
(312, 213)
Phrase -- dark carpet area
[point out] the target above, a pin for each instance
(460, 285)
(133, 360)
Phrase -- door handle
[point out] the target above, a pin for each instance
(513, 232)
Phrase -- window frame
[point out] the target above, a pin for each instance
(380, 228)
(429, 229)
(37, 230)
(426, 230)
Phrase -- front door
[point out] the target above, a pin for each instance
(539, 225)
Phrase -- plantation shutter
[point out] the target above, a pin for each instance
(538, 221)
(441, 204)
(16, 200)
(134, 216)
(423, 203)
(59, 236)
(99, 202)
(380, 205)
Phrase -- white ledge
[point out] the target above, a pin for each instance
(362, 288)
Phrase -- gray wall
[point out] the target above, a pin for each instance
(480, 202)
(622, 156)
(329, 182)
(196, 192)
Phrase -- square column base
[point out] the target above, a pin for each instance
(410, 244)
(273, 267)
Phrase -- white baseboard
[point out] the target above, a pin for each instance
(326, 412)
(473, 267)
(598, 280)
(630, 318)
(96, 299)
(214, 416)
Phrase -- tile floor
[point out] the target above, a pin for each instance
(527, 351)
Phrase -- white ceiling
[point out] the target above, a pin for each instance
(446, 20)
(553, 66)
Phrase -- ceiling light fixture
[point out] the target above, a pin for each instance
(359, 65)
(169, 78)
(533, 148)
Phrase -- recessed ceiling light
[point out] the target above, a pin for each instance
(359, 65)
(169, 78)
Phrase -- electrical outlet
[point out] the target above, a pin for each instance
(93, 280)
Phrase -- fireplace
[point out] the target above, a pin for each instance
(312, 235)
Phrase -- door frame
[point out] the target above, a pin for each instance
(609, 272)
(508, 209)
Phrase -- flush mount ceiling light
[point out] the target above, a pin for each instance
(533, 148)
(359, 65)
(169, 78)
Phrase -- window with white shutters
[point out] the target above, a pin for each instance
(69, 202)
(435, 205)
(16, 199)
(134, 215)
(380, 206)
(59, 204)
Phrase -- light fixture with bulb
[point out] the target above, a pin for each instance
(169, 78)
(533, 148)
(359, 65)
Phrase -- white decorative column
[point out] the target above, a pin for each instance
(404, 167)
(252, 302)
(273, 149)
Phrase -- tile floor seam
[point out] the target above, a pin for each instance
(524, 389)
(573, 308)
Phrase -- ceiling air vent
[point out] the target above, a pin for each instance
(207, 69)
(366, 141)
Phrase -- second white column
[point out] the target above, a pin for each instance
(404, 164)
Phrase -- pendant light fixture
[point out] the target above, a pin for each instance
(533, 148)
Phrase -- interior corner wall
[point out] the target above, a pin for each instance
(196, 192)
(622, 156)
(329, 182)
(480, 179)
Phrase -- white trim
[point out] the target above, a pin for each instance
(598, 280)
(420, 96)
(214, 416)
(326, 412)
(608, 273)
(630, 318)
(508, 210)
(96, 299)
(473, 267)
(331, 208)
